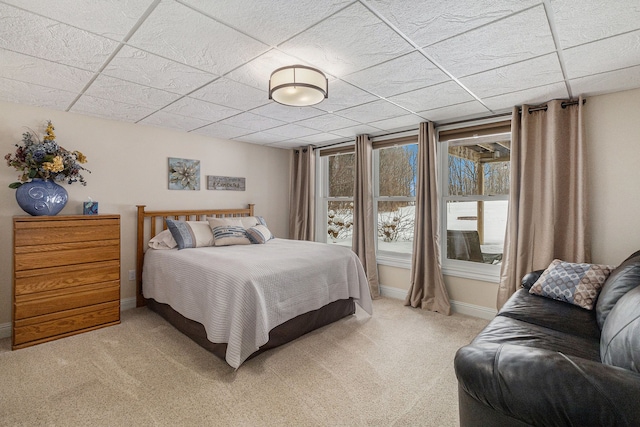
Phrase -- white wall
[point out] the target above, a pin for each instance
(128, 166)
(613, 147)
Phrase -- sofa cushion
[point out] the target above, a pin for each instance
(575, 283)
(621, 280)
(551, 314)
(620, 342)
(504, 330)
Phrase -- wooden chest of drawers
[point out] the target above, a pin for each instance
(66, 276)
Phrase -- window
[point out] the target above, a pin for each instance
(335, 213)
(395, 170)
(475, 185)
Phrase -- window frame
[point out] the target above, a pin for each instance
(453, 267)
(391, 258)
(322, 192)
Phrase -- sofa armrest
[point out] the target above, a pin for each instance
(530, 278)
(541, 387)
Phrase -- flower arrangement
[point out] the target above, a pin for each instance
(46, 160)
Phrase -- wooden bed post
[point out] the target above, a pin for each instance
(139, 256)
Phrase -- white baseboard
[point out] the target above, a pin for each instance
(456, 306)
(125, 304)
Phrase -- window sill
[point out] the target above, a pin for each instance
(471, 270)
(400, 261)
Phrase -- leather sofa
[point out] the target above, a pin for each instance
(543, 362)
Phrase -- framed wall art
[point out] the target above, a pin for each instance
(225, 183)
(184, 174)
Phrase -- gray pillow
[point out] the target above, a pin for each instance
(620, 340)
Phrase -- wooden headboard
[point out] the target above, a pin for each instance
(151, 223)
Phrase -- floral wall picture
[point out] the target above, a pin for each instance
(184, 174)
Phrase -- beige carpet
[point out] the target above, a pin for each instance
(392, 369)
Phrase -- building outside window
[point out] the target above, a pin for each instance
(474, 172)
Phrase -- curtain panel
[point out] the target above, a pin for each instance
(427, 289)
(364, 223)
(302, 202)
(547, 215)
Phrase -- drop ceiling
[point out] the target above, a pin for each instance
(203, 66)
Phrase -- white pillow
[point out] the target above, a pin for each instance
(191, 234)
(163, 240)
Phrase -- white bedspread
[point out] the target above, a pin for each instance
(239, 293)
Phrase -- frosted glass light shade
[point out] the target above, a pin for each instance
(298, 86)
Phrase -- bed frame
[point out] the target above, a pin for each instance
(152, 222)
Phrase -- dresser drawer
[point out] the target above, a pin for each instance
(52, 278)
(31, 305)
(53, 232)
(29, 257)
(45, 328)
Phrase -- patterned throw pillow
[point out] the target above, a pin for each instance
(227, 235)
(190, 234)
(577, 284)
(259, 234)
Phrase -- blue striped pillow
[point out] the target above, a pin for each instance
(259, 234)
(190, 234)
(226, 235)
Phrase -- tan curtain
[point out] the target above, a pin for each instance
(301, 217)
(427, 289)
(364, 224)
(547, 216)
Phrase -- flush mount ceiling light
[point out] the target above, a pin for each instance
(298, 86)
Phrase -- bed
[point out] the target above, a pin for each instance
(238, 301)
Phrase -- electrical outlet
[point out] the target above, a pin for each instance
(132, 275)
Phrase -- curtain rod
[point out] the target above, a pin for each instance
(544, 106)
(536, 108)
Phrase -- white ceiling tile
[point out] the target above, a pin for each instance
(173, 121)
(150, 70)
(613, 81)
(203, 110)
(292, 131)
(221, 130)
(584, 21)
(397, 123)
(529, 96)
(343, 95)
(516, 38)
(328, 122)
(34, 70)
(408, 72)
(117, 90)
(31, 94)
(459, 111)
(179, 33)
(260, 138)
(346, 42)
(352, 132)
(272, 21)
(252, 122)
(43, 38)
(109, 109)
(372, 112)
(429, 21)
(318, 138)
(257, 72)
(604, 55)
(232, 94)
(111, 19)
(432, 97)
(540, 71)
(286, 113)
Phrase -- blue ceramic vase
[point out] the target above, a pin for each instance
(41, 197)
